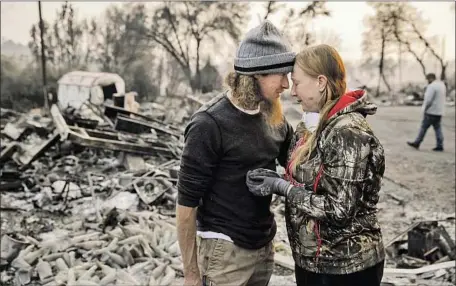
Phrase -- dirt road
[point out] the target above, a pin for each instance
(429, 175)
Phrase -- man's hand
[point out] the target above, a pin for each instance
(192, 280)
(263, 182)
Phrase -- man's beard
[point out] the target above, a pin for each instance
(273, 111)
(249, 97)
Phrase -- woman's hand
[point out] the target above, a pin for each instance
(264, 182)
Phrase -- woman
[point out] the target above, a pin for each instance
(334, 176)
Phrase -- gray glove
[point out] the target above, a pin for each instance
(263, 182)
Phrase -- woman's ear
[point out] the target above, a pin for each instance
(321, 82)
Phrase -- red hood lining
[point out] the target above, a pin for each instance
(345, 100)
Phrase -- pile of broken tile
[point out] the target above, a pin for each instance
(88, 201)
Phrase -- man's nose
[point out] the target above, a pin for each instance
(285, 83)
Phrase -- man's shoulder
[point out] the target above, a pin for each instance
(213, 105)
(442, 85)
(209, 113)
(437, 84)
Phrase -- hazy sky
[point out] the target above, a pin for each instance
(346, 21)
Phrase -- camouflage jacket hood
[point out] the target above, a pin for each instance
(331, 212)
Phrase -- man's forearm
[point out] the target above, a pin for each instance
(186, 235)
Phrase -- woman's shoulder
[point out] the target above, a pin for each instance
(349, 130)
(354, 121)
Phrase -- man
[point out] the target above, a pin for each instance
(240, 130)
(433, 107)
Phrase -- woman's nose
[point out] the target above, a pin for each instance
(293, 91)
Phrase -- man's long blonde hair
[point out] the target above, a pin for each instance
(315, 61)
(246, 90)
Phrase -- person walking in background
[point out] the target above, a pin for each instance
(333, 179)
(239, 130)
(433, 109)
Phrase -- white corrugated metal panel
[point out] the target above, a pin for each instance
(90, 78)
(78, 86)
(96, 95)
(72, 95)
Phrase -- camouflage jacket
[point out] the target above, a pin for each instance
(331, 213)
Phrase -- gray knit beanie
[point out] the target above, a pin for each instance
(264, 50)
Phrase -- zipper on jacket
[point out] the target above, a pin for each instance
(317, 224)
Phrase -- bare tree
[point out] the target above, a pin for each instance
(401, 14)
(35, 45)
(407, 27)
(409, 30)
(63, 41)
(378, 38)
(90, 28)
(408, 46)
(118, 43)
(329, 37)
(296, 23)
(272, 7)
(443, 64)
(182, 28)
(68, 33)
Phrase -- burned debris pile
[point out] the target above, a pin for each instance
(131, 248)
(88, 195)
(423, 254)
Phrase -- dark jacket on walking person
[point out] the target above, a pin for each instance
(333, 179)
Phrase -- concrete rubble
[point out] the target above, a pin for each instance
(88, 199)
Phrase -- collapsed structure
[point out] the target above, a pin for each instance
(88, 190)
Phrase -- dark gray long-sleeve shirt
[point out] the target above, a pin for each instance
(222, 143)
